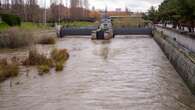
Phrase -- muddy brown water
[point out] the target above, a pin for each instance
(126, 73)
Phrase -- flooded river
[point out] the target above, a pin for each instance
(127, 73)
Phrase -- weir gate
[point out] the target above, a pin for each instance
(116, 31)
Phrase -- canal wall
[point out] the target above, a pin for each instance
(183, 39)
(179, 56)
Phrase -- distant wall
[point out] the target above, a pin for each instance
(178, 56)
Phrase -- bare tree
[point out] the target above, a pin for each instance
(5, 4)
(29, 10)
(58, 10)
(33, 10)
(54, 10)
(86, 8)
(74, 9)
(0, 4)
(17, 8)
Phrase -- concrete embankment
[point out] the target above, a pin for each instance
(182, 38)
(180, 57)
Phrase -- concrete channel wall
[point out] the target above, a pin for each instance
(178, 57)
(185, 40)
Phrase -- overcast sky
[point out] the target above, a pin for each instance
(133, 5)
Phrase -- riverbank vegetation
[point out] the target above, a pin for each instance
(27, 26)
(59, 66)
(59, 56)
(15, 38)
(8, 70)
(57, 59)
(43, 69)
(178, 13)
(44, 64)
(3, 26)
(49, 26)
(35, 58)
(47, 40)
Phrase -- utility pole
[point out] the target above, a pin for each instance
(45, 12)
(59, 11)
(25, 14)
(67, 10)
(0, 4)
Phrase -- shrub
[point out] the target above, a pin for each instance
(47, 40)
(15, 38)
(43, 69)
(11, 70)
(11, 20)
(59, 56)
(7, 70)
(59, 67)
(3, 62)
(3, 26)
(37, 59)
(42, 62)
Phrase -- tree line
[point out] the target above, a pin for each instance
(25, 9)
(179, 13)
(30, 10)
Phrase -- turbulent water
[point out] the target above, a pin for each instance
(127, 73)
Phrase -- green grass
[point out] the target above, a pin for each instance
(3, 26)
(78, 24)
(27, 26)
(41, 26)
(33, 26)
